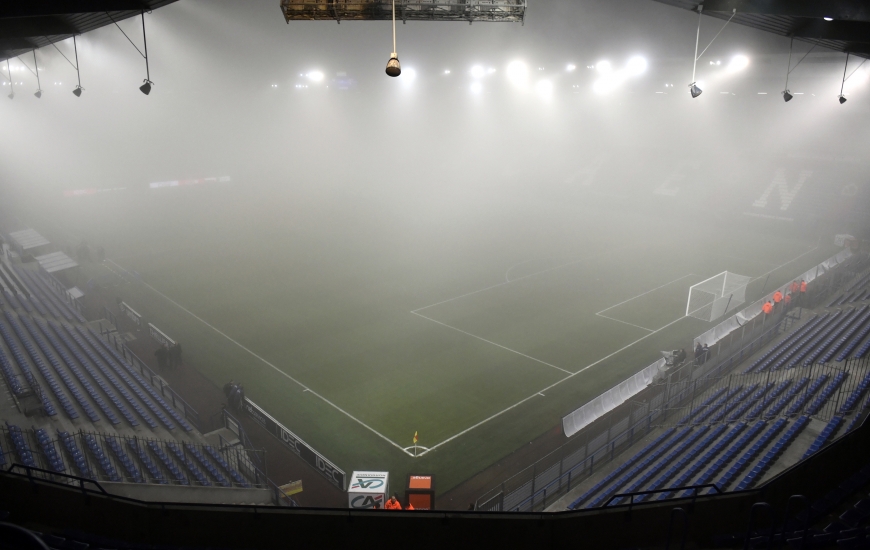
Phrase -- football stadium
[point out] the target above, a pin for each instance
(573, 273)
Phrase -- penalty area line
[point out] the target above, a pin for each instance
(553, 385)
(275, 368)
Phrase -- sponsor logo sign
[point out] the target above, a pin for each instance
(158, 335)
(131, 313)
(314, 459)
(367, 501)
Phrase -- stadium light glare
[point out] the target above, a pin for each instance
(636, 65)
(518, 74)
(738, 63)
(478, 72)
(315, 76)
(571, 67)
(828, 18)
(476, 88)
(607, 83)
(409, 75)
(544, 89)
(447, 71)
(604, 67)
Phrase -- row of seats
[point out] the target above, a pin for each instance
(802, 399)
(785, 399)
(774, 453)
(663, 463)
(825, 394)
(701, 407)
(55, 462)
(733, 404)
(105, 464)
(237, 477)
(824, 436)
(855, 319)
(719, 407)
(131, 469)
(49, 291)
(22, 449)
(750, 455)
(859, 416)
(56, 336)
(191, 467)
(64, 370)
(855, 396)
(638, 468)
(730, 452)
(9, 374)
(23, 364)
(173, 468)
(46, 301)
(78, 457)
(621, 468)
(854, 344)
(60, 371)
(12, 300)
(107, 372)
(745, 405)
(207, 464)
(764, 403)
(140, 386)
(145, 460)
(793, 348)
(124, 374)
(814, 344)
(766, 358)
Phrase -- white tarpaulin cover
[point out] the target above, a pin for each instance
(610, 399)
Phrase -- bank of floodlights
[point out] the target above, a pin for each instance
(693, 87)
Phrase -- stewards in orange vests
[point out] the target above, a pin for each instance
(393, 504)
(803, 286)
(409, 506)
(777, 297)
(767, 308)
(795, 287)
(787, 299)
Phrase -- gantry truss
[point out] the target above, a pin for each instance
(510, 11)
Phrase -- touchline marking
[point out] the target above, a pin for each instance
(583, 259)
(624, 322)
(553, 385)
(490, 342)
(644, 294)
(305, 388)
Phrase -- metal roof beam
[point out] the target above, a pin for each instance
(848, 31)
(34, 8)
(851, 10)
(35, 26)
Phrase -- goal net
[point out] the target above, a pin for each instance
(711, 299)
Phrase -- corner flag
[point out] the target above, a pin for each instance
(415, 438)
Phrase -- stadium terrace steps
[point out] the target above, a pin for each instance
(726, 457)
(764, 403)
(795, 346)
(850, 402)
(773, 454)
(69, 444)
(767, 357)
(750, 455)
(826, 435)
(801, 400)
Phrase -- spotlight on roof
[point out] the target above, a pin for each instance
(38, 94)
(78, 91)
(786, 95)
(146, 87)
(636, 65)
(478, 72)
(695, 90)
(394, 69)
(828, 18)
(738, 63)
(842, 99)
(11, 95)
(317, 76)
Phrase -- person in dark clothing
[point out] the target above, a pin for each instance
(679, 356)
(705, 353)
(160, 354)
(698, 351)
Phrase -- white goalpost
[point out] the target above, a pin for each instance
(711, 299)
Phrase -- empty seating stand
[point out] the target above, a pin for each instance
(207, 464)
(807, 395)
(697, 466)
(173, 468)
(102, 460)
(24, 367)
(22, 448)
(825, 394)
(727, 456)
(55, 462)
(767, 358)
(855, 342)
(750, 455)
(145, 460)
(850, 402)
(191, 467)
(122, 457)
(237, 477)
(759, 408)
(78, 458)
(773, 454)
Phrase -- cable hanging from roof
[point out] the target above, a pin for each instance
(693, 87)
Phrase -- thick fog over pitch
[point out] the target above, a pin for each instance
(379, 241)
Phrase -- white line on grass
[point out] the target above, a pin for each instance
(306, 388)
(553, 385)
(490, 342)
(644, 294)
(624, 322)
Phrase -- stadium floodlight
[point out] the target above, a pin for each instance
(695, 90)
(146, 87)
(738, 63)
(394, 68)
(604, 67)
(636, 66)
(38, 94)
(476, 88)
(544, 88)
(518, 74)
(842, 99)
(843, 84)
(408, 76)
(478, 72)
(828, 18)
(78, 91)
(786, 95)
(571, 67)
(315, 76)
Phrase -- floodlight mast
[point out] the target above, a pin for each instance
(843, 84)
(786, 94)
(394, 69)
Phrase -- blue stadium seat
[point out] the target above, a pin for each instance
(102, 460)
(773, 454)
(55, 462)
(227, 468)
(73, 451)
(19, 443)
(122, 457)
(827, 433)
(145, 460)
(173, 468)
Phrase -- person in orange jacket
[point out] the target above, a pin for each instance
(409, 506)
(795, 287)
(777, 297)
(393, 503)
(803, 287)
(767, 308)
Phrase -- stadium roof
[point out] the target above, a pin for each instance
(56, 261)
(28, 238)
(32, 24)
(847, 30)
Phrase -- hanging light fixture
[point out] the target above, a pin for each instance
(78, 91)
(693, 87)
(11, 84)
(38, 92)
(842, 84)
(145, 88)
(786, 95)
(394, 69)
